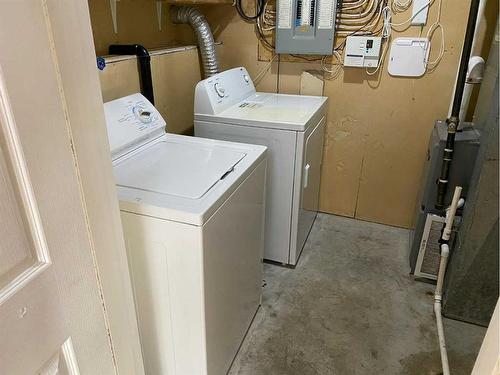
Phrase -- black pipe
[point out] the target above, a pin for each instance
(144, 61)
(454, 120)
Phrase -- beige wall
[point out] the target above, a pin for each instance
(137, 23)
(378, 127)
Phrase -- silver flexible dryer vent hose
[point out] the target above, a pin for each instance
(206, 43)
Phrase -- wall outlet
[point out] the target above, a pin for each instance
(419, 12)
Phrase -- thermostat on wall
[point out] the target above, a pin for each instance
(362, 51)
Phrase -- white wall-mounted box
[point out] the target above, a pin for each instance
(419, 12)
(362, 51)
(408, 57)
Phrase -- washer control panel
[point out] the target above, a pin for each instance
(131, 121)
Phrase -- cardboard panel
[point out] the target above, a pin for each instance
(290, 74)
(174, 78)
(119, 79)
(311, 83)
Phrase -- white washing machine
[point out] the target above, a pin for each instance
(192, 211)
(228, 107)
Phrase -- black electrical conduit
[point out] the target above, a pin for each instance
(144, 61)
(453, 120)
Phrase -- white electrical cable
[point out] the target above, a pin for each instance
(370, 26)
(387, 17)
(386, 37)
(333, 73)
(267, 18)
(428, 5)
(437, 25)
(351, 7)
(438, 294)
(263, 72)
(400, 6)
(270, 24)
(366, 13)
(382, 59)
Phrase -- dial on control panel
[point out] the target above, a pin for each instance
(142, 114)
(219, 90)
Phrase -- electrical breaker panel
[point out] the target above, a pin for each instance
(362, 51)
(305, 27)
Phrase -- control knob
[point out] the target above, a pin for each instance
(219, 90)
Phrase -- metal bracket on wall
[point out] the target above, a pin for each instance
(159, 12)
(112, 5)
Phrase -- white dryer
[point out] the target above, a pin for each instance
(192, 211)
(228, 107)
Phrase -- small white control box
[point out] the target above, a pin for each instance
(362, 51)
(419, 12)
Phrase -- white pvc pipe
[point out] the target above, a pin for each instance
(445, 251)
(442, 343)
(468, 86)
(438, 294)
(465, 101)
(451, 213)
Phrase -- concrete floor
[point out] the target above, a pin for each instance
(350, 307)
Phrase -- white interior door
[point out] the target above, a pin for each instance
(52, 319)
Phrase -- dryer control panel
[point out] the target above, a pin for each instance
(221, 91)
(305, 26)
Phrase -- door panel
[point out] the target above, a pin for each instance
(27, 280)
(311, 176)
(63, 362)
(23, 250)
(51, 313)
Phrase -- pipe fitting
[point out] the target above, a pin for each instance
(452, 123)
(206, 43)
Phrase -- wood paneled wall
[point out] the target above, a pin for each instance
(378, 127)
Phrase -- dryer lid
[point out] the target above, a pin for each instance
(280, 108)
(177, 169)
(132, 121)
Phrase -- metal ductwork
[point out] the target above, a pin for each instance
(206, 44)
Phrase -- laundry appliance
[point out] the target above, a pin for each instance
(192, 211)
(227, 107)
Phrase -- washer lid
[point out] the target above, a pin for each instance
(178, 169)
